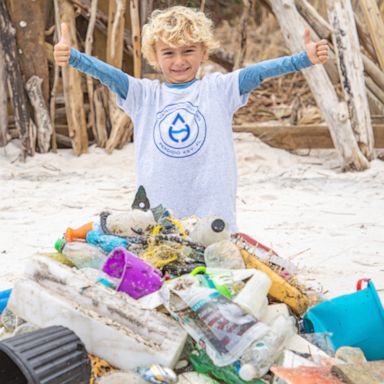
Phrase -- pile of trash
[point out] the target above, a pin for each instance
(142, 297)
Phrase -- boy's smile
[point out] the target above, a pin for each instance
(180, 64)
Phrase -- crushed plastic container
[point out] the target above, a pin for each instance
(137, 278)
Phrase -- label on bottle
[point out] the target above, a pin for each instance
(218, 324)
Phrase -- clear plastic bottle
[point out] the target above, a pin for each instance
(260, 355)
(81, 254)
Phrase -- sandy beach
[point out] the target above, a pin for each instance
(329, 223)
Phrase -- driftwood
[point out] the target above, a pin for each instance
(136, 38)
(42, 119)
(239, 61)
(102, 23)
(100, 99)
(375, 26)
(300, 136)
(73, 94)
(88, 51)
(334, 112)
(324, 30)
(28, 20)
(350, 64)
(24, 123)
(115, 33)
(4, 136)
(223, 58)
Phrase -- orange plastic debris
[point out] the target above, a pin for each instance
(79, 233)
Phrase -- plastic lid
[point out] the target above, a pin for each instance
(59, 245)
(247, 372)
(218, 225)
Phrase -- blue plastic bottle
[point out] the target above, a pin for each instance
(106, 242)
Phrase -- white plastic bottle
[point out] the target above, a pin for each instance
(209, 230)
(259, 356)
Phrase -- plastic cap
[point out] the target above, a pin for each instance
(247, 372)
(59, 245)
(218, 225)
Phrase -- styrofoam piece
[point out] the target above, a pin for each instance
(112, 325)
(298, 344)
(289, 359)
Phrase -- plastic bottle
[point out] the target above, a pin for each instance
(72, 234)
(253, 297)
(157, 374)
(81, 254)
(106, 242)
(223, 254)
(228, 374)
(209, 230)
(260, 355)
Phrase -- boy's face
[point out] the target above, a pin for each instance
(180, 64)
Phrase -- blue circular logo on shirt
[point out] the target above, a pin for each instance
(180, 130)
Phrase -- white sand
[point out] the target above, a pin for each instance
(329, 223)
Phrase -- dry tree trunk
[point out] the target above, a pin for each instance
(334, 112)
(100, 99)
(27, 17)
(43, 121)
(243, 34)
(136, 38)
(4, 136)
(351, 72)
(120, 121)
(375, 26)
(88, 51)
(323, 29)
(74, 102)
(22, 118)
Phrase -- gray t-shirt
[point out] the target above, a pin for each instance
(185, 156)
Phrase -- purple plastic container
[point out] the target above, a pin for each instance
(137, 278)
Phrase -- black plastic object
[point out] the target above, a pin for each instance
(141, 200)
(53, 355)
(218, 225)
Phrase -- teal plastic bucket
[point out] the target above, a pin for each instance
(355, 320)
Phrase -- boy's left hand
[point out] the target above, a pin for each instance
(317, 52)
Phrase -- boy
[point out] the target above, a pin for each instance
(185, 156)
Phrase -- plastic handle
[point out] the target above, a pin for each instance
(360, 283)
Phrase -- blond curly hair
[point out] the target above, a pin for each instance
(177, 26)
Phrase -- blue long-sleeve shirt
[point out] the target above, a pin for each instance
(250, 77)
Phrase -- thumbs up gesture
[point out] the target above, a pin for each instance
(317, 52)
(61, 51)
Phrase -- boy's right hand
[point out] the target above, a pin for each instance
(62, 50)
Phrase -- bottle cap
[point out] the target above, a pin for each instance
(59, 245)
(247, 372)
(218, 225)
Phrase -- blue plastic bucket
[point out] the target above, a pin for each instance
(4, 297)
(355, 320)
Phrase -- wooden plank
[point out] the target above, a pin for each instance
(375, 26)
(334, 112)
(351, 71)
(300, 136)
